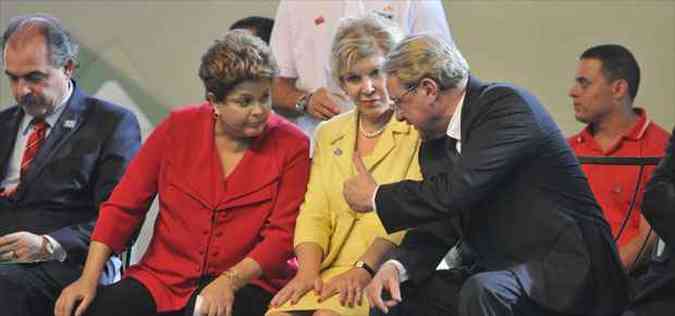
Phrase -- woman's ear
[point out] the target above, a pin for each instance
(211, 97)
(341, 84)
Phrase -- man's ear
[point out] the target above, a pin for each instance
(620, 88)
(69, 68)
(430, 87)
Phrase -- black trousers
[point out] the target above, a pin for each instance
(130, 298)
(32, 289)
(436, 297)
(449, 293)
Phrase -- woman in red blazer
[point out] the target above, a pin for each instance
(230, 177)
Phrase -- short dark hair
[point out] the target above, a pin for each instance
(237, 57)
(61, 46)
(617, 63)
(262, 26)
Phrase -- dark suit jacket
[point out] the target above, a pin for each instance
(518, 200)
(659, 209)
(74, 171)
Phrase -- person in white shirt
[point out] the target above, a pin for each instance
(301, 41)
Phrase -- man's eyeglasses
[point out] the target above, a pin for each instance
(397, 101)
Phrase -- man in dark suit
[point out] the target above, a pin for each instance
(499, 177)
(61, 154)
(656, 295)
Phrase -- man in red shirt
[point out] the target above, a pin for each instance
(606, 83)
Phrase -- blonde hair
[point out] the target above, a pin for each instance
(238, 56)
(360, 37)
(424, 56)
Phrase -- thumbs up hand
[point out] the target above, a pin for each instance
(360, 189)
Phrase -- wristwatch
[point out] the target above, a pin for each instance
(47, 248)
(303, 101)
(365, 266)
(52, 249)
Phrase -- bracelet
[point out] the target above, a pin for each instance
(234, 277)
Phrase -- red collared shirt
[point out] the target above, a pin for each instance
(613, 186)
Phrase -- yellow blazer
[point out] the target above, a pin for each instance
(325, 218)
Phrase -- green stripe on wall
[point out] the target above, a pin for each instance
(94, 71)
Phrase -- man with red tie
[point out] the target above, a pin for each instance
(61, 154)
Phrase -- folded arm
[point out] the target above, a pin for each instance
(498, 141)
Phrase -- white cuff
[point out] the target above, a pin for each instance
(55, 250)
(372, 200)
(402, 273)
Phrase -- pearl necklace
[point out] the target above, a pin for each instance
(371, 134)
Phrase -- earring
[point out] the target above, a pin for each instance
(215, 114)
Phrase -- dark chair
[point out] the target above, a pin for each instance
(641, 162)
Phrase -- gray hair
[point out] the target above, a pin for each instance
(424, 56)
(61, 46)
(360, 37)
(237, 57)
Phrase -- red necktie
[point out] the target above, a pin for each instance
(35, 140)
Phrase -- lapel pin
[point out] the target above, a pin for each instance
(338, 152)
(69, 124)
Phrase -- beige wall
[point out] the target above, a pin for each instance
(531, 43)
(535, 44)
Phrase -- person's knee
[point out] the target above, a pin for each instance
(476, 288)
(486, 291)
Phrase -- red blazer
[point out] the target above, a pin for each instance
(208, 223)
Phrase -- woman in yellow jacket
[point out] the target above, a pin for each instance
(339, 249)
